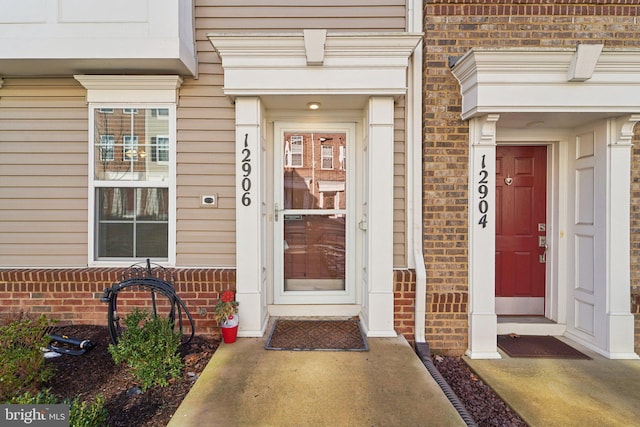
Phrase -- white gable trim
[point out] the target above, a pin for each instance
(528, 80)
(351, 63)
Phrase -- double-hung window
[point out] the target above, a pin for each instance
(132, 167)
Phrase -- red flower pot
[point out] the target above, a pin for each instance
(229, 335)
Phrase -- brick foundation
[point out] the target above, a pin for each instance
(404, 303)
(72, 296)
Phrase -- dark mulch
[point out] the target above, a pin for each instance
(95, 373)
(481, 402)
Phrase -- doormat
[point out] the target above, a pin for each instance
(330, 335)
(537, 346)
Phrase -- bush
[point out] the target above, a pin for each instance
(81, 413)
(149, 347)
(43, 397)
(23, 369)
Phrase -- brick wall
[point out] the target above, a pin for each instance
(404, 300)
(72, 296)
(452, 27)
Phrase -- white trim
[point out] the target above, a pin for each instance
(535, 80)
(353, 63)
(134, 89)
(93, 184)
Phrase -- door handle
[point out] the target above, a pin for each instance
(543, 258)
(276, 212)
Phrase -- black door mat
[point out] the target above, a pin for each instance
(330, 335)
(538, 346)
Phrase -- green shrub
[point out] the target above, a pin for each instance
(149, 347)
(43, 397)
(23, 365)
(81, 413)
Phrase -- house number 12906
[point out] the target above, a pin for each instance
(483, 192)
(246, 172)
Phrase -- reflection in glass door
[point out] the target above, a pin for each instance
(315, 211)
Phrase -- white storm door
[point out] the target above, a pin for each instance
(312, 216)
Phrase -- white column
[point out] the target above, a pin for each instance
(483, 326)
(380, 218)
(620, 322)
(249, 247)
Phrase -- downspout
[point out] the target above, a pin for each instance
(414, 193)
(414, 183)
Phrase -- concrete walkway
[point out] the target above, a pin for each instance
(246, 385)
(566, 392)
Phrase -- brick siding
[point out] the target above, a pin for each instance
(72, 296)
(452, 27)
(404, 303)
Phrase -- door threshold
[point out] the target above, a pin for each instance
(529, 325)
(322, 310)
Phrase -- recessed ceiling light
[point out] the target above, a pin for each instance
(535, 124)
(313, 105)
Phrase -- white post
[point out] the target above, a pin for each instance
(249, 244)
(620, 320)
(483, 326)
(380, 218)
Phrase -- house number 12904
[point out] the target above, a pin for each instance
(483, 192)
(246, 172)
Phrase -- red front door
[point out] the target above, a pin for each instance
(521, 183)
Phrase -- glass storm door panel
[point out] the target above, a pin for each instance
(314, 214)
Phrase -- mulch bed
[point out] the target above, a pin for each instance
(480, 401)
(95, 373)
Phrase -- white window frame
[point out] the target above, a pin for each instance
(299, 150)
(149, 92)
(107, 145)
(129, 111)
(326, 157)
(130, 143)
(158, 148)
(158, 116)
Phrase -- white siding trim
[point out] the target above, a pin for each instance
(125, 92)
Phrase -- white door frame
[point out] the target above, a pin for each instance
(352, 258)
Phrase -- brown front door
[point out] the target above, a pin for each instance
(521, 183)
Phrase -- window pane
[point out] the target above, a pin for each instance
(115, 240)
(132, 222)
(317, 184)
(152, 204)
(152, 240)
(137, 146)
(115, 203)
